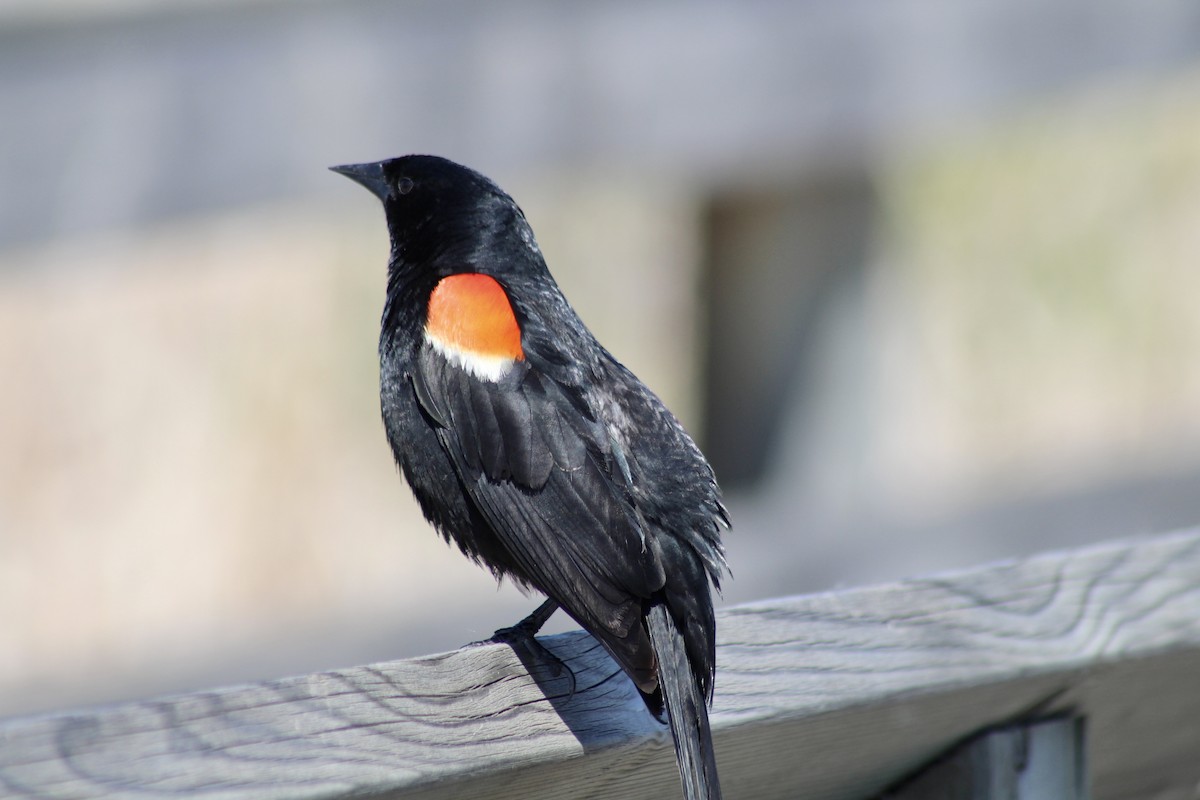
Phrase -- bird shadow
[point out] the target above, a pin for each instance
(588, 691)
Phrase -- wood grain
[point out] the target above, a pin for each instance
(828, 696)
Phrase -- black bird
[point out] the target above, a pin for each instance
(534, 450)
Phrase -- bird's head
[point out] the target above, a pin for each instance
(445, 216)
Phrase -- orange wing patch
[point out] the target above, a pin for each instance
(471, 322)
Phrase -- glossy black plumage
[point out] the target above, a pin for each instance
(565, 474)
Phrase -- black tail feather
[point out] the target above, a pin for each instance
(687, 710)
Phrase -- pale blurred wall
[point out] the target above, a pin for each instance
(194, 486)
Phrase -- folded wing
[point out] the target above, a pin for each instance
(541, 468)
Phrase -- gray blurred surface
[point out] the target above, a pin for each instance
(123, 119)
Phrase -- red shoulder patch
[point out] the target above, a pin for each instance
(470, 313)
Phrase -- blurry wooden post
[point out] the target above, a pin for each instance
(779, 262)
(830, 697)
(1025, 761)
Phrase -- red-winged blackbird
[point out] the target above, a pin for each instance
(537, 452)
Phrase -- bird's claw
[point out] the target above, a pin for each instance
(531, 652)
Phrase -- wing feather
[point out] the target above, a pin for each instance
(544, 478)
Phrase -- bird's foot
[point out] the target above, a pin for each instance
(525, 629)
(522, 638)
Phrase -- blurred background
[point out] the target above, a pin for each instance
(923, 277)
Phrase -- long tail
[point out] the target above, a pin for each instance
(687, 710)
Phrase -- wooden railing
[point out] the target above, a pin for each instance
(1083, 666)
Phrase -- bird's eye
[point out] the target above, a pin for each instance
(404, 185)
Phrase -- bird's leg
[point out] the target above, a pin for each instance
(528, 626)
(525, 630)
(522, 638)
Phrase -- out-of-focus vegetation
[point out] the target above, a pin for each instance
(1051, 267)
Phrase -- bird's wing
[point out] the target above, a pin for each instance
(541, 468)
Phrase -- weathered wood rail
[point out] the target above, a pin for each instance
(838, 695)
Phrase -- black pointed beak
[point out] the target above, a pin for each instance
(369, 175)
